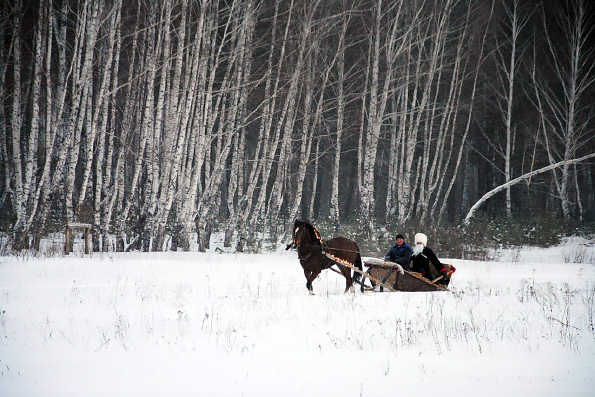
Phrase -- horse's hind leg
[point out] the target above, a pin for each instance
(349, 285)
(348, 280)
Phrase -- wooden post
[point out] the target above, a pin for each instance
(87, 242)
(67, 243)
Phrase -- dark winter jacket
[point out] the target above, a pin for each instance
(400, 254)
(421, 263)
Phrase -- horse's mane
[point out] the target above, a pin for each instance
(310, 228)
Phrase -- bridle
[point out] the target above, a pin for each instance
(299, 243)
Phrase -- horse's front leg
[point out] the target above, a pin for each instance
(310, 276)
(307, 274)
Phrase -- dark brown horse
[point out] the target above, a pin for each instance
(312, 253)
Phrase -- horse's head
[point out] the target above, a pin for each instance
(299, 232)
(303, 233)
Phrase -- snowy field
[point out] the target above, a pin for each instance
(211, 324)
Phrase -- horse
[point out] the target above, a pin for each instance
(311, 253)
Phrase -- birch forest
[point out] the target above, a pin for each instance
(161, 121)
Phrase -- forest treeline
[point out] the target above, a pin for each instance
(163, 118)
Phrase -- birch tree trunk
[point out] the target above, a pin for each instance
(310, 214)
(262, 159)
(21, 239)
(463, 145)
(567, 116)
(308, 127)
(149, 64)
(508, 62)
(100, 121)
(243, 85)
(31, 158)
(393, 47)
(286, 122)
(82, 81)
(335, 210)
(371, 134)
(310, 124)
(4, 158)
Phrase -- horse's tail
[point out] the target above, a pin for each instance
(358, 264)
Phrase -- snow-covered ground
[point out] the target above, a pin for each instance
(211, 324)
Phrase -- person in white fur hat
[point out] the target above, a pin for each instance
(422, 257)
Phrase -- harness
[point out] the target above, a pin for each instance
(324, 250)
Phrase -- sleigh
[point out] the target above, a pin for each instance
(386, 275)
(316, 255)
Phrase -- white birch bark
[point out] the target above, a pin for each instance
(393, 47)
(447, 142)
(310, 213)
(60, 113)
(269, 112)
(287, 120)
(405, 177)
(198, 142)
(116, 189)
(464, 138)
(371, 133)
(31, 160)
(233, 114)
(167, 201)
(146, 125)
(4, 159)
(80, 77)
(49, 140)
(507, 60)
(574, 72)
(107, 96)
(310, 124)
(15, 129)
(396, 138)
(96, 123)
(237, 176)
(260, 161)
(55, 111)
(159, 142)
(335, 209)
(305, 143)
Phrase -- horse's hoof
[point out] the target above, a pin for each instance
(311, 292)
